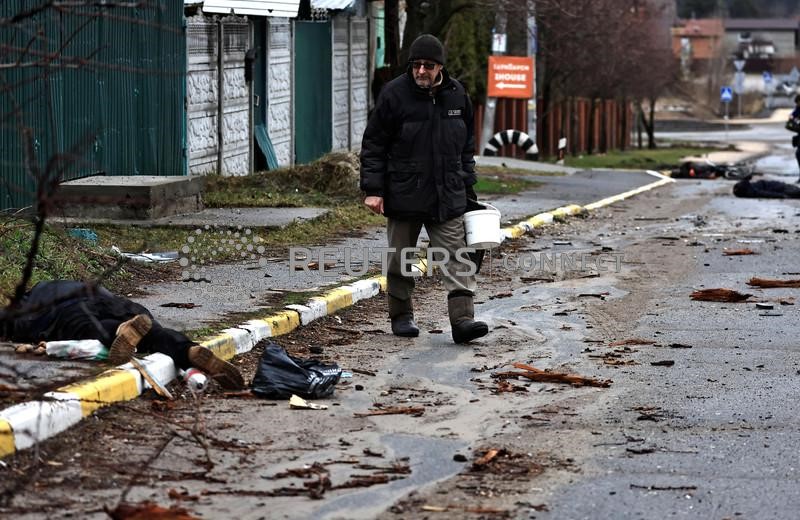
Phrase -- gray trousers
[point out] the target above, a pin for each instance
(446, 235)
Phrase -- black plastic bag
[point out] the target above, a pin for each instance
(280, 375)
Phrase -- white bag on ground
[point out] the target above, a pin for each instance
(77, 349)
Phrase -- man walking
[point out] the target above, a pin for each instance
(417, 169)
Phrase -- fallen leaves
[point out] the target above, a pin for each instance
(738, 252)
(719, 295)
(149, 511)
(542, 376)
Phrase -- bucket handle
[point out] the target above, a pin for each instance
(486, 205)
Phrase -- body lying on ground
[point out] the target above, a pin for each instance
(73, 310)
(765, 189)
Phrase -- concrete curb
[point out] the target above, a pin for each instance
(25, 424)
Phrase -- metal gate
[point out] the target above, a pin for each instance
(109, 102)
(312, 87)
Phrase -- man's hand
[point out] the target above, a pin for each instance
(375, 204)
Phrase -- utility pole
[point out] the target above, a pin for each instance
(498, 47)
(532, 48)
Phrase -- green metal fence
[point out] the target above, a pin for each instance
(313, 106)
(89, 89)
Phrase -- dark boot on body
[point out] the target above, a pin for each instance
(227, 375)
(402, 314)
(462, 311)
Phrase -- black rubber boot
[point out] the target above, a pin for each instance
(402, 314)
(462, 311)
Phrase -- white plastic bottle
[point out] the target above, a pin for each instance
(195, 379)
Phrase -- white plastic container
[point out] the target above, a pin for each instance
(77, 349)
(195, 379)
(483, 227)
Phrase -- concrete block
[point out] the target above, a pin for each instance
(130, 197)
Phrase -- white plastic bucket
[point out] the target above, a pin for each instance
(482, 227)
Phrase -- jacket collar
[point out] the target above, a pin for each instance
(446, 81)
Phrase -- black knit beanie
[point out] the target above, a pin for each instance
(428, 47)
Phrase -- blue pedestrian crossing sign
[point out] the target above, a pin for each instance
(767, 75)
(726, 94)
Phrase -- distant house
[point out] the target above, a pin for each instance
(762, 38)
(697, 42)
(765, 44)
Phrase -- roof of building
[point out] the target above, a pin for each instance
(699, 27)
(331, 4)
(278, 8)
(775, 24)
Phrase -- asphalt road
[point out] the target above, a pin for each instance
(708, 431)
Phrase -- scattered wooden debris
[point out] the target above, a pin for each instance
(640, 451)
(499, 461)
(679, 345)
(369, 453)
(160, 390)
(397, 468)
(664, 488)
(362, 372)
(663, 363)
(414, 411)
(601, 295)
(769, 283)
(719, 295)
(632, 341)
(618, 362)
(535, 374)
(304, 472)
(315, 266)
(487, 457)
(243, 394)
(466, 509)
(148, 511)
(358, 481)
(738, 252)
(505, 386)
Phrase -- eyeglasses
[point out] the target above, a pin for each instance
(428, 65)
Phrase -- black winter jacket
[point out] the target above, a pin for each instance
(417, 151)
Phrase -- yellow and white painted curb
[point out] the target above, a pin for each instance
(543, 219)
(25, 424)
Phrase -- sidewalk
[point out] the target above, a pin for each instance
(22, 425)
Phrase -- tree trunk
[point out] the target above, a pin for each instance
(651, 128)
(639, 124)
(648, 125)
(603, 146)
(391, 28)
(623, 125)
(590, 137)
